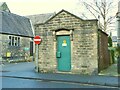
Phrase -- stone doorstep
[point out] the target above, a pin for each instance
(60, 72)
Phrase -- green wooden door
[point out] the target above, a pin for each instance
(63, 53)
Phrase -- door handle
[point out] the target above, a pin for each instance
(58, 54)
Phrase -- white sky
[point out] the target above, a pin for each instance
(31, 7)
(28, 7)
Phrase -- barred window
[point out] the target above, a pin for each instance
(18, 41)
(10, 40)
(14, 41)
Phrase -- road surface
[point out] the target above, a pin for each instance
(10, 81)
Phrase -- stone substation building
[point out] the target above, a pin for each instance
(70, 44)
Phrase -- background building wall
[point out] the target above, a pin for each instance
(118, 24)
(17, 52)
(118, 30)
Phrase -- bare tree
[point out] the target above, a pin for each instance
(101, 10)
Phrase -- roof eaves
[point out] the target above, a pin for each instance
(17, 35)
(103, 32)
(91, 20)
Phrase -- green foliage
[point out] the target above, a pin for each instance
(109, 41)
(112, 55)
(118, 51)
(111, 50)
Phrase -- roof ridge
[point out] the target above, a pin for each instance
(41, 14)
(12, 14)
(40, 18)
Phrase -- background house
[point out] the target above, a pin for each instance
(114, 41)
(16, 35)
(118, 24)
(70, 44)
(118, 36)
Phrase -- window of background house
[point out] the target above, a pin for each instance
(10, 40)
(18, 41)
(15, 41)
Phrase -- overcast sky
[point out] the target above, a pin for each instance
(31, 7)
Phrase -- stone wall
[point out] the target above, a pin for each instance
(17, 52)
(104, 54)
(84, 43)
(85, 52)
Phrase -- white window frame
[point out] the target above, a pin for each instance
(15, 39)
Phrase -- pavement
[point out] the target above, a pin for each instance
(110, 71)
(84, 79)
(102, 80)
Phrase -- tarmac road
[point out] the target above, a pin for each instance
(16, 76)
(30, 83)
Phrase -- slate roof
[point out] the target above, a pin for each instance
(40, 18)
(15, 25)
(44, 18)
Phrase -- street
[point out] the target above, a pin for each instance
(21, 75)
(27, 83)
